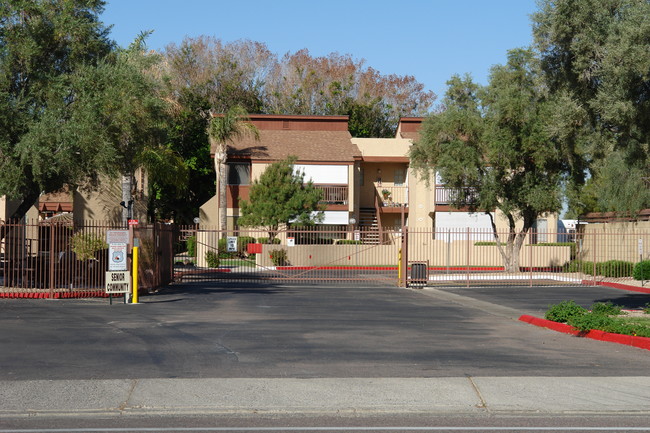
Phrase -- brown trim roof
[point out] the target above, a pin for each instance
(306, 145)
(310, 138)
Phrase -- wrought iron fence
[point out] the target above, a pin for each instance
(72, 257)
(67, 257)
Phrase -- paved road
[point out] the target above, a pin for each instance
(196, 331)
(199, 349)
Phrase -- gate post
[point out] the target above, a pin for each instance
(404, 257)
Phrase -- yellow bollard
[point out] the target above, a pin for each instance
(135, 275)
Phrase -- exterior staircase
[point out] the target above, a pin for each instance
(369, 226)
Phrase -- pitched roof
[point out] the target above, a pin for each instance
(310, 138)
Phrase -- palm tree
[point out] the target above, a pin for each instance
(223, 129)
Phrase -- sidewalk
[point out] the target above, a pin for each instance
(315, 397)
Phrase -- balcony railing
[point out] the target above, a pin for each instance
(393, 196)
(334, 195)
(451, 195)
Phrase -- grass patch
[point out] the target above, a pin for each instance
(601, 316)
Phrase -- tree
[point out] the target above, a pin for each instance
(43, 45)
(224, 129)
(203, 74)
(493, 146)
(338, 85)
(595, 56)
(123, 100)
(281, 196)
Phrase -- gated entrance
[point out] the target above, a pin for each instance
(297, 255)
(395, 257)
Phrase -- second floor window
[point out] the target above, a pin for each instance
(399, 177)
(239, 174)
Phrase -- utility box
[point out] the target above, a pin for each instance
(418, 274)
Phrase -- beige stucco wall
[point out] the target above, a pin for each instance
(615, 241)
(209, 213)
(8, 207)
(436, 252)
(383, 147)
(103, 202)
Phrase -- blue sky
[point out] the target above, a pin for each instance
(430, 40)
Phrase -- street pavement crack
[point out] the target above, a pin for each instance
(483, 403)
(125, 403)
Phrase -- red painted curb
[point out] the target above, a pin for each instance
(594, 334)
(617, 286)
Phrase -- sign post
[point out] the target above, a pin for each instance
(118, 278)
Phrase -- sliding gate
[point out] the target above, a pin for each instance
(446, 257)
(305, 256)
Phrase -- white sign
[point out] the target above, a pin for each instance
(118, 282)
(231, 243)
(117, 237)
(357, 235)
(291, 242)
(117, 257)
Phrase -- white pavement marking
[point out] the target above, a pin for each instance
(330, 429)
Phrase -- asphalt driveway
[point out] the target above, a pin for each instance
(198, 330)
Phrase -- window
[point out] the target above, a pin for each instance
(399, 177)
(239, 174)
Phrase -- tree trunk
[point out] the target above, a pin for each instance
(221, 169)
(510, 254)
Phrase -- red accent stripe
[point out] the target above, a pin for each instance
(617, 286)
(594, 334)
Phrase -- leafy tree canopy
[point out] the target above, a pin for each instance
(494, 148)
(280, 196)
(43, 46)
(595, 57)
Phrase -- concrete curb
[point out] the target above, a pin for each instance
(617, 286)
(594, 334)
(319, 397)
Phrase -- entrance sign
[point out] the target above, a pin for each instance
(117, 257)
(117, 237)
(231, 243)
(118, 282)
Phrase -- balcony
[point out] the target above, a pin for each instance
(446, 196)
(334, 195)
(392, 196)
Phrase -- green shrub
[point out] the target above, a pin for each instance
(191, 246)
(85, 245)
(279, 257)
(587, 322)
(642, 270)
(614, 268)
(605, 309)
(485, 244)
(212, 259)
(563, 311)
(559, 244)
(347, 242)
(580, 266)
(276, 241)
